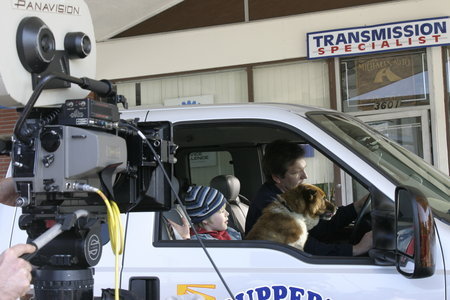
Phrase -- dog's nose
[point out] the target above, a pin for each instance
(327, 215)
(330, 210)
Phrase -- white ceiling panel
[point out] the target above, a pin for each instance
(111, 17)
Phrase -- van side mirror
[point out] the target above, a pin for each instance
(415, 234)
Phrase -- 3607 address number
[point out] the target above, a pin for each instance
(386, 104)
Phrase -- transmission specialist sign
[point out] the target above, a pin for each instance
(379, 38)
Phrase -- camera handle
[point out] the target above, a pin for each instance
(103, 88)
(54, 231)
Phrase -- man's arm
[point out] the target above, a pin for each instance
(364, 245)
(343, 217)
(8, 193)
(316, 247)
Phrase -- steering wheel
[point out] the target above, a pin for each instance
(362, 222)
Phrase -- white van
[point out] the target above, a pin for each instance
(408, 211)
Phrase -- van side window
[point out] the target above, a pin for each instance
(340, 186)
(205, 165)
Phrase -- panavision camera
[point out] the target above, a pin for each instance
(75, 163)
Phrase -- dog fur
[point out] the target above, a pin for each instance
(289, 219)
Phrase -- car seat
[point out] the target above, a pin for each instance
(167, 232)
(237, 207)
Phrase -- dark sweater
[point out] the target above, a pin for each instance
(266, 194)
(344, 215)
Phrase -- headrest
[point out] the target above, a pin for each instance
(228, 185)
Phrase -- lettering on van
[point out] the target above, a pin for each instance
(279, 292)
(196, 289)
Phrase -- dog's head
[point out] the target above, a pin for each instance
(309, 200)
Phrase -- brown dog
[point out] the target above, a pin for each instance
(288, 219)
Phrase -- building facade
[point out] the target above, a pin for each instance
(386, 63)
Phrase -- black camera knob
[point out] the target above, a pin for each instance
(50, 140)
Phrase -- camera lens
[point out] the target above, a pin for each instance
(77, 44)
(35, 44)
(47, 44)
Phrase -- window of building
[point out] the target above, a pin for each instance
(229, 86)
(297, 82)
(302, 82)
(384, 81)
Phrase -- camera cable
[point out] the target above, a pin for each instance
(115, 229)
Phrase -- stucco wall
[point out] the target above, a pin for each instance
(236, 44)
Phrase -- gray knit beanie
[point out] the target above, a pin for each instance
(202, 202)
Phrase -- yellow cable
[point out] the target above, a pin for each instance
(115, 230)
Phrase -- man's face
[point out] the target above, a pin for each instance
(294, 175)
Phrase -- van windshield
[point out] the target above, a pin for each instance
(399, 164)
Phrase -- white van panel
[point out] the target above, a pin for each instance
(253, 272)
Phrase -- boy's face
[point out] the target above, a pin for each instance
(218, 221)
(294, 176)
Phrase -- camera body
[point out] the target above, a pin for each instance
(66, 147)
(63, 139)
(84, 142)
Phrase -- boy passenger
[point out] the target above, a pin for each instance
(206, 209)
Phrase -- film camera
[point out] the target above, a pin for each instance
(70, 152)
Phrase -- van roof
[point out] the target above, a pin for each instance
(217, 111)
(227, 124)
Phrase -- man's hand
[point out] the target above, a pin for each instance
(364, 245)
(8, 193)
(183, 230)
(15, 272)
